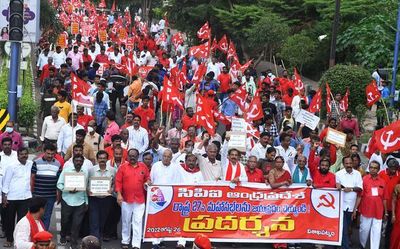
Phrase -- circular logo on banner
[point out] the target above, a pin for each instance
(160, 198)
(326, 202)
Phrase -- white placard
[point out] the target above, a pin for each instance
(74, 181)
(19, 91)
(238, 125)
(100, 186)
(336, 137)
(308, 119)
(237, 141)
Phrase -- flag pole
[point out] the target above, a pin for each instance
(276, 68)
(283, 64)
(161, 113)
(386, 111)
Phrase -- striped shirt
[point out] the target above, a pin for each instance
(46, 177)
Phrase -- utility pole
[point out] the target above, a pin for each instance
(395, 61)
(335, 28)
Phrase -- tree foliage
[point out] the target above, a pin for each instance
(298, 50)
(49, 23)
(341, 77)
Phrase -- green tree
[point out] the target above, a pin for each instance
(298, 50)
(49, 23)
(341, 77)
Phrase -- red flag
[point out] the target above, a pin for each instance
(80, 89)
(371, 147)
(231, 50)
(162, 38)
(171, 94)
(102, 4)
(204, 115)
(113, 7)
(223, 44)
(372, 93)
(144, 71)
(245, 66)
(239, 97)
(298, 83)
(221, 117)
(388, 139)
(328, 99)
(201, 51)
(255, 111)
(344, 103)
(214, 45)
(182, 77)
(204, 32)
(198, 75)
(316, 101)
(177, 39)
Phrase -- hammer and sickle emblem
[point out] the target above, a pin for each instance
(370, 97)
(327, 202)
(388, 142)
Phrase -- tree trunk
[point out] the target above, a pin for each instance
(260, 57)
(245, 54)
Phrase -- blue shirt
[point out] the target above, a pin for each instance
(212, 86)
(73, 199)
(385, 92)
(229, 108)
(100, 110)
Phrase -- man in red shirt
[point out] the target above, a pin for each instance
(188, 119)
(370, 204)
(350, 123)
(102, 57)
(254, 174)
(116, 141)
(83, 119)
(130, 181)
(288, 97)
(145, 112)
(128, 120)
(391, 176)
(321, 176)
(86, 59)
(225, 83)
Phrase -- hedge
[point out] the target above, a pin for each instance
(341, 77)
(27, 108)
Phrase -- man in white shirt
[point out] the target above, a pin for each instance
(17, 191)
(115, 56)
(138, 136)
(93, 53)
(164, 171)
(260, 149)
(24, 237)
(59, 57)
(214, 67)
(52, 126)
(233, 170)
(144, 56)
(286, 151)
(42, 60)
(67, 134)
(351, 183)
(210, 167)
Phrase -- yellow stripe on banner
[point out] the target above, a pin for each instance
(4, 117)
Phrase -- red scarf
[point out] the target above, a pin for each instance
(228, 176)
(33, 225)
(187, 169)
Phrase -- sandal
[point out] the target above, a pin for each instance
(8, 244)
(123, 246)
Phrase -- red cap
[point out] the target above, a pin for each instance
(42, 236)
(202, 241)
(210, 92)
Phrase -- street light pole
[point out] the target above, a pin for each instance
(395, 60)
(335, 28)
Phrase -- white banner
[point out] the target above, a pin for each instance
(31, 23)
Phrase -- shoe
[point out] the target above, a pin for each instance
(156, 247)
(180, 247)
(63, 241)
(106, 239)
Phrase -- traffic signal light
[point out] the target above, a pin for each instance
(16, 20)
